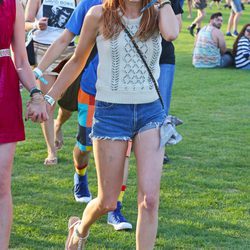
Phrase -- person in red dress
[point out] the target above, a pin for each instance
(11, 123)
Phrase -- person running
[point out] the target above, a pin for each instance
(11, 123)
(127, 107)
(200, 5)
(86, 101)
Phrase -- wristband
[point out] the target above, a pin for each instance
(35, 90)
(164, 3)
(38, 74)
(50, 100)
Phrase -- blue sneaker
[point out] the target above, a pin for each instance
(81, 189)
(116, 219)
(235, 33)
(228, 34)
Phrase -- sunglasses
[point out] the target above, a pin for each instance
(248, 30)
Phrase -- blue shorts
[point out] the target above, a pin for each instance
(236, 6)
(124, 121)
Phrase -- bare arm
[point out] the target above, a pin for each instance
(221, 42)
(56, 49)
(179, 19)
(30, 13)
(37, 108)
(24, 71)
(168, 23)
(86, 42)
(30, 16)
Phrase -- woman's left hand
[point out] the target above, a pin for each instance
(36, 109)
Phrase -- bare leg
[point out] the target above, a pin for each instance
(126, 163)
(125, 172)
(116, 218)
(189, 6)
(109, 158)
(200, 17)
(80, 158)
(62, 116)
(149, 166)
(48, 126)
(230, 22)
(236, 20)
(7, 152)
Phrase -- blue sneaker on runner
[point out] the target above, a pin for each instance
(116, 219)
(81, 189)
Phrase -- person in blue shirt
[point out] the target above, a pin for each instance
(86, 106)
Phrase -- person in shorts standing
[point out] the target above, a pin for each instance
(127, 107)
(233, 20)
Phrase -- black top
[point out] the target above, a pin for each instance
(167, 55)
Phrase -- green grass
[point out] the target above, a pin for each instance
(205, 190)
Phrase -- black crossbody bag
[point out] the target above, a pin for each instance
(145, 63)
(168, 134)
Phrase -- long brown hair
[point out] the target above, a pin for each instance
(112, 24)
(241, 34)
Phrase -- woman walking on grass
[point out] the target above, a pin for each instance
(127, 107)
(11, 124)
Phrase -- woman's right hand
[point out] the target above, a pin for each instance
(42, 23)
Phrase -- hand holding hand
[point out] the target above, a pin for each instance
(36, 109)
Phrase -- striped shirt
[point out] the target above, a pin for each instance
(243, 49)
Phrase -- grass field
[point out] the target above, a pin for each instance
(205, 200)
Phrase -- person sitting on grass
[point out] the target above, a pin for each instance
(210, 47)
(241, 48)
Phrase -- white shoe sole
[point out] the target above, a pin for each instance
(121, 226)
(83, 199)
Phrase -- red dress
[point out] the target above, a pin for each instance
(11, 123)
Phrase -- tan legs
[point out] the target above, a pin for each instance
(7, 152)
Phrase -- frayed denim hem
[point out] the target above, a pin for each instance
(123, 138)
(150, 125)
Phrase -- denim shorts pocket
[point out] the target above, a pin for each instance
(103, 105)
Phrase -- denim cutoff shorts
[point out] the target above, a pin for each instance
(236, 6)
(114, 121)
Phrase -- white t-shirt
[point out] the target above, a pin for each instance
(58, 13)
